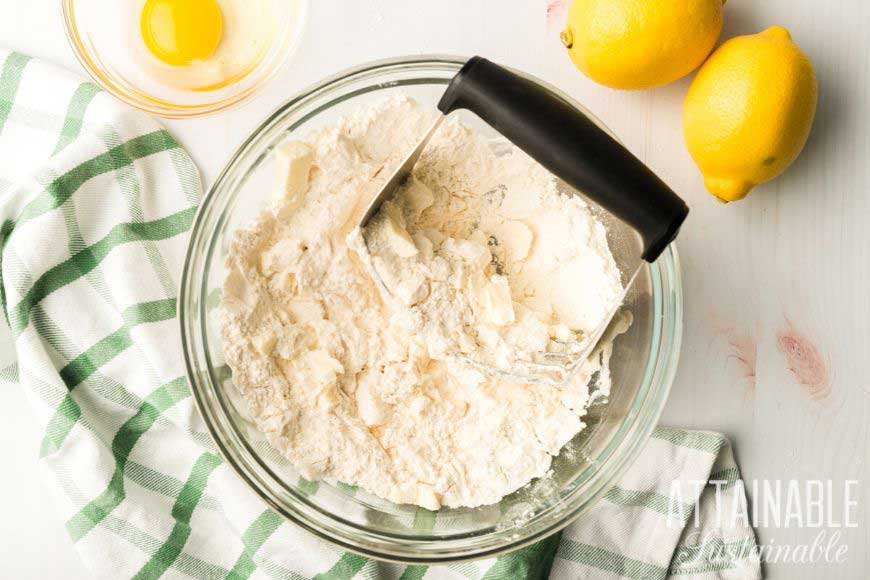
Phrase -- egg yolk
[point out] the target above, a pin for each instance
(179, 32)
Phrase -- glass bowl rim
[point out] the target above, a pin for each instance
(166, 109)
(661, 367)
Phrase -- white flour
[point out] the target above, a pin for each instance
(481, 255)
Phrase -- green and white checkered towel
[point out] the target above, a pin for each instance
(95, 203)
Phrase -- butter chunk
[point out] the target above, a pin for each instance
(395, 234)
(372, 410)
(412, 290)
(428, 498)
(417, 196)
(324, 369)
(304, 311)
(424, 245)
(516, 238)
(237, 291)
(472, 252)
(265, 342)
(494, 302)
(281, 256)
(293, 161)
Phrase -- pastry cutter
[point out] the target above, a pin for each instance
(576, 150)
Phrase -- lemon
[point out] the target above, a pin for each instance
(749, 111)
(180, 32)
(636, 44)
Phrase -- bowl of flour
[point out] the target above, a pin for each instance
(344, 405)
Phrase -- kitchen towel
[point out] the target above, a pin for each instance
(95, 203)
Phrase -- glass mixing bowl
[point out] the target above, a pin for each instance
(643, 364)
(104, 34)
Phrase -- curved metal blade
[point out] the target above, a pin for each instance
(400, 174)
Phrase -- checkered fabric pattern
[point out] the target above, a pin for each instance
(95, 204)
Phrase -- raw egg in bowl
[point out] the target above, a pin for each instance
(183, 58)
(182, 32)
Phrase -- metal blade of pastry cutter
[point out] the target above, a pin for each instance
(400, 174)
(548, 367)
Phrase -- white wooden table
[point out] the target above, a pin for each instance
(783, 272)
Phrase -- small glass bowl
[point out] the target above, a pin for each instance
(107, 57)
(643, 363)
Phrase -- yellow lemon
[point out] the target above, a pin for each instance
(749, 111)
(180, 32)
(636, 44)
